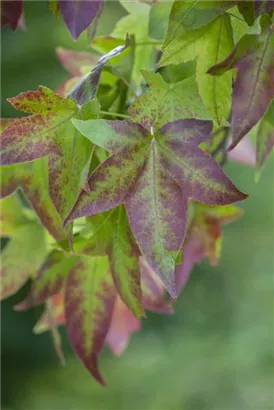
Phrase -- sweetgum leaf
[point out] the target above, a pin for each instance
(17, 265)
(78, 14)
(11, 13)
(89, 302)
(158, 19)
(191, 15)
(168, 102)
(32, 179)
(154, 176)
(265, 137)
(204, 238)
(253, 89)
(123, 323)
(207, 45)
(49, 132)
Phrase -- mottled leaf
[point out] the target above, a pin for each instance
(253, 89)
(89, 302)
(207, 45)
(265, 137)
(78, 14)
(154, 175)
(11, 13)
(123, 323)
(21, 257)
(204, 238)
(167, 102)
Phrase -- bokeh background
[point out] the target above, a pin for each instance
(215, 352)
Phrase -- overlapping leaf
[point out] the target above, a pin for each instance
(21, 257)
(253, 89)
(12, 13)
(49, 132)
(154, 176)
(79, 14)
(168, 102)
(208, 45)
(204, 238)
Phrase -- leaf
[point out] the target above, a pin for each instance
(49, 132)
(154, 176)
(167, 102)
(21, 257)
(253, 89)
(263, 6)
(75, 62)
(136, 23)
(123, 323)
(265, 137)
(207, 45)
(89, 302)
(86, 88)
(11, 13)
(32, 179)
(244, 152)
(204, 238)
(192, 15)
(158, 19)
(112, 236)
(12, 215)
(78, 14)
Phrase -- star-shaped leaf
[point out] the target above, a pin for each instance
(154, 176)
(208, 44)
(49, 132)
(79, 14)
(204, 238)
(253, 90)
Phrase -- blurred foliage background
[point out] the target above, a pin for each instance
(215, 352)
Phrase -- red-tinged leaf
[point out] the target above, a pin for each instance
(49, 132)
(204, 238)
(154, 175)
(253, 89)
(89, 302)
(265, 137)
(112, 236)
(75, 61)
(153, 290)
(21, 258)
(123, 324)
(244, 152)
(12, 215)
(32, 179)
(11, 13)
(78, 14)
(86, 88)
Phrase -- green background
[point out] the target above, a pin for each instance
(215, 352)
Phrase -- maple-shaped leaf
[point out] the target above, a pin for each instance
(191, 15)
(49, 132)
(123, 323)
(204, 238)
(12, 13)
(265, 137)
(32, 179)
(17, 265)
(79, 14)
(168, 102)
(253, 90)
(89, 301)
(207, 45)
(154, 175)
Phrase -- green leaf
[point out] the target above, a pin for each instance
(167, 102)
(21, 258)
(208, 45)
(89, 302)
(191, 15)
(12, 215)
(158, 19)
